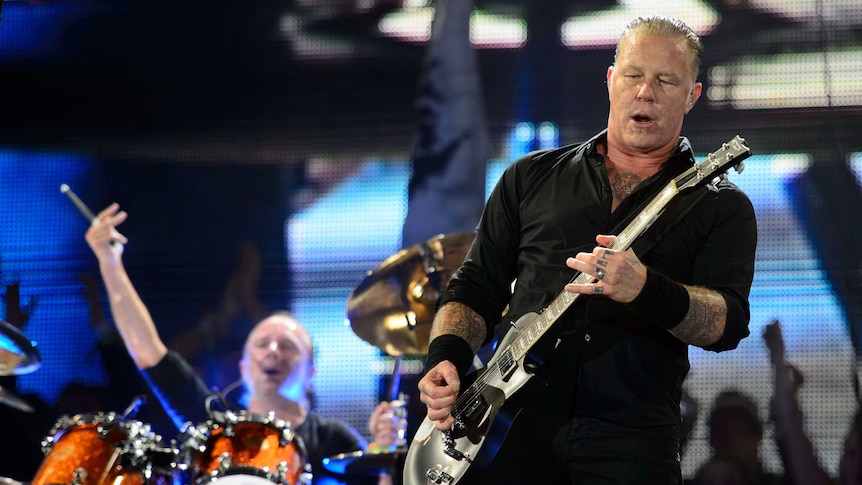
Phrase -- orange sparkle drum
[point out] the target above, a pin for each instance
(99, 449)
(245, 448)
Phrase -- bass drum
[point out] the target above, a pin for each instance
(245, 448)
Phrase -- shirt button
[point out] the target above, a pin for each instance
(587, 337)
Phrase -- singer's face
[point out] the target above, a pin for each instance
(651, 88)
(277, 358)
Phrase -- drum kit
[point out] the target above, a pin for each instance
(392, 309)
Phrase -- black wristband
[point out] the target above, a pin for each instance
(663, 301)
(452, 348)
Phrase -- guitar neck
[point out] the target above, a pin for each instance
(539, 326)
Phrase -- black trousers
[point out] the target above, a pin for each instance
(545, 449)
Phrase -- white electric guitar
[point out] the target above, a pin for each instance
(436, 457)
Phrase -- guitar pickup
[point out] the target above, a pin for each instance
(475, 405)
(435, 475)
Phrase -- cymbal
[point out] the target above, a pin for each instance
(18, 355)
(10, 399)
(363, 463)
(9, 481)
(392, 308)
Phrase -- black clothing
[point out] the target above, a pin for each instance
(183, 395)
(612, 364)
(548, 206)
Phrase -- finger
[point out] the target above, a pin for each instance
(602, 255)
(112, 208)
(107, 212)
(447, 375)
(600, 274)
(585, 289)
(444, 424)
(118, 237)
(605, 240)
(440, 402)
(588, 263)
(581, 261)
(379, 411)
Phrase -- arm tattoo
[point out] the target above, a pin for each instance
(707, 315)
(461, 320)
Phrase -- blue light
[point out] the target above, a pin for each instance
(548, 135)
(40, 249)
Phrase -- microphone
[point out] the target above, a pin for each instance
(221, 397)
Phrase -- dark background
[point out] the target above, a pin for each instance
(209, 121)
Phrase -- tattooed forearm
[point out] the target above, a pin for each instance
(707, 315)
(459, 319)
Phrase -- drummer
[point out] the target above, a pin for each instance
(276, 365)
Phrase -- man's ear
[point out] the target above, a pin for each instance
(693, 96)
(608, 76)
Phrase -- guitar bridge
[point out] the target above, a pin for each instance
(449, 448)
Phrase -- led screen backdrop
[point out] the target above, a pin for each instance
(216, 124)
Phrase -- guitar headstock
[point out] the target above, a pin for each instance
(731, 154)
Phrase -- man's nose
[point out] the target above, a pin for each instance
(645, 92)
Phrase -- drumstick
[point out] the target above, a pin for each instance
(395, 383)
(86, 212)
(82, 207)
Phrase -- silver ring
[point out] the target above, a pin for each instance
(600, 273)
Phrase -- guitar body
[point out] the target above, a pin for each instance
(437, 457)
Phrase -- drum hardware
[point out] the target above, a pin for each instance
(79, 477)
(104, 422)
(224, 462)
(245, 447)
(392, 308)
(12, 400)
(9, 481)
(366, 464)
(18, 355)
(102, 449)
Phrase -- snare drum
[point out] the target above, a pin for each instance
(245, 448)
(99, 449)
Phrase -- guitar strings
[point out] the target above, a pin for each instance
(475, 390)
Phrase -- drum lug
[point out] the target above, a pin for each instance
(224, 463)
(285, 438)
(79, 477)
(281, 472)
(47, 445)
(306, 477)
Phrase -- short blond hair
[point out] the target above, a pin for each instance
(670, 28)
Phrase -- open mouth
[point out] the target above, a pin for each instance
(641, 119)
(271, 371)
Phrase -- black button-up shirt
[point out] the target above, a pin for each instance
(612, 363)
